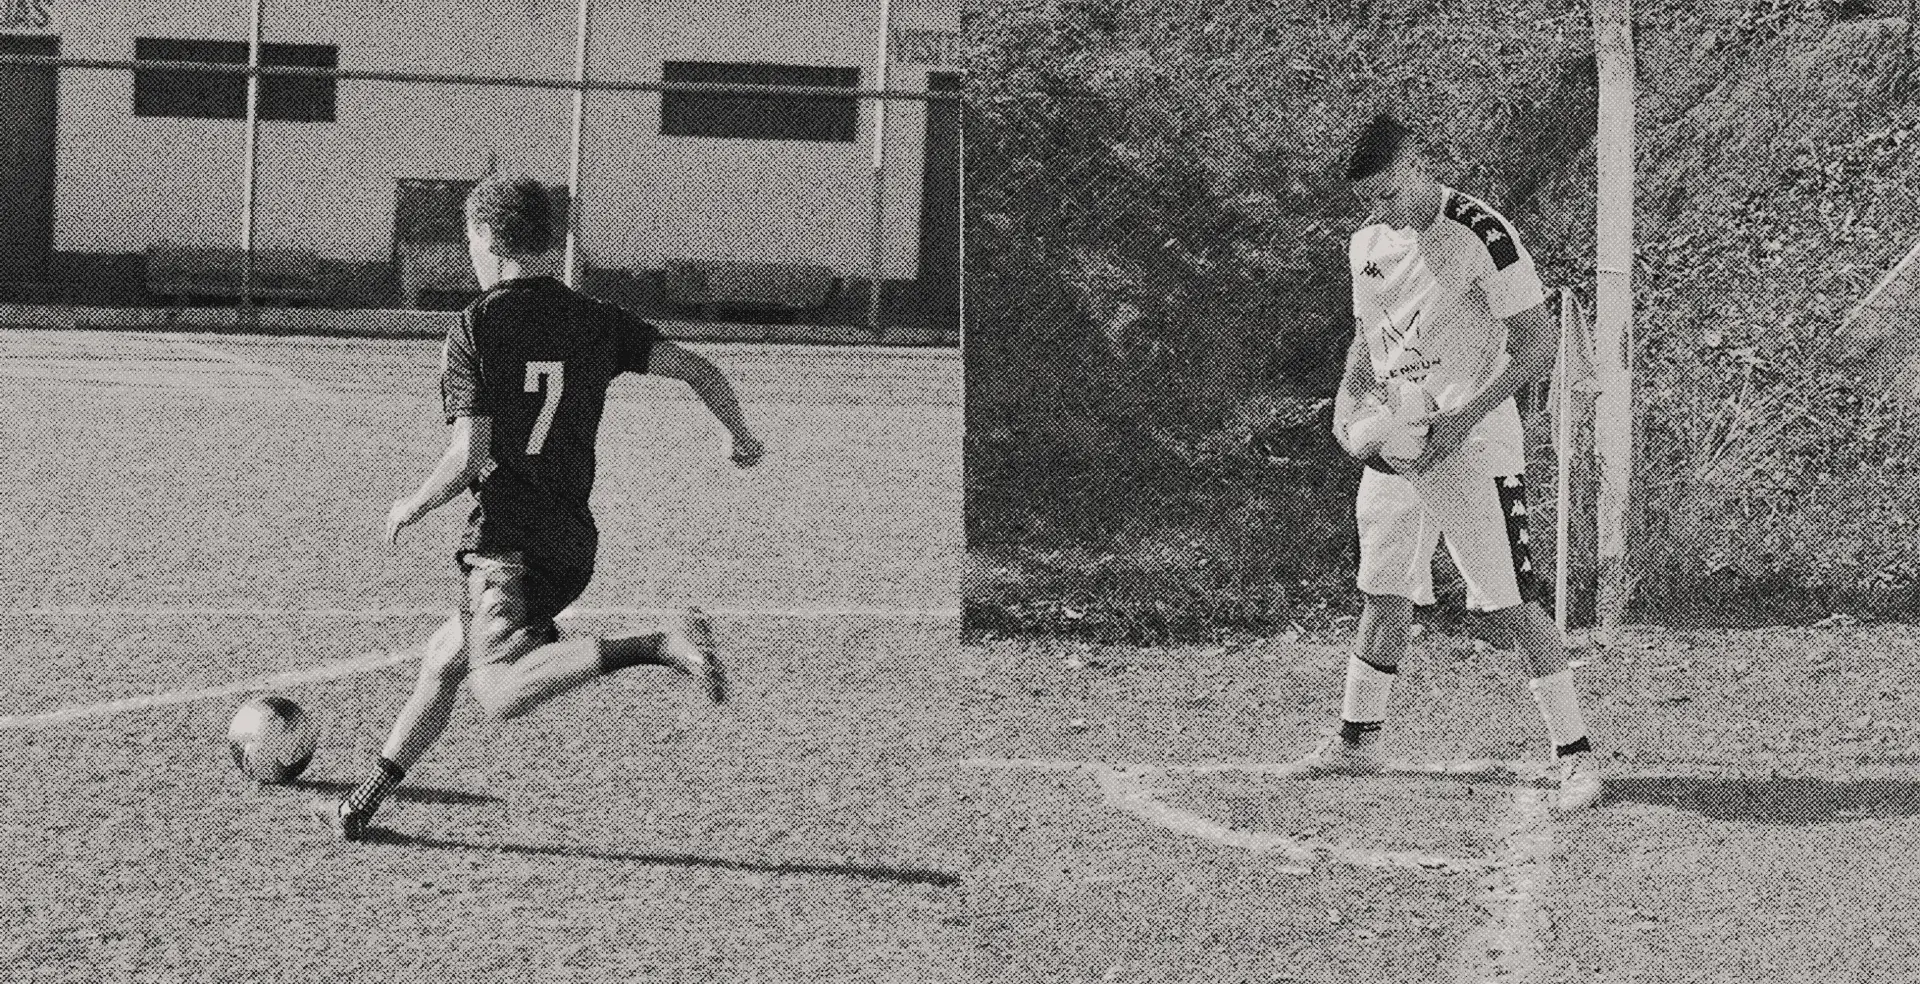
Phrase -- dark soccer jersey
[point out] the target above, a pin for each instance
(537, 357)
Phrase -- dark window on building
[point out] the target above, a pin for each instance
(286, 98)
(202, 95)
(770, 117)
(162, 93)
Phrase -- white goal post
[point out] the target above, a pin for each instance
(1613, 303)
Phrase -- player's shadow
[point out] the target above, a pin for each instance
(885, 873)
(1772, 799)
(406, 794)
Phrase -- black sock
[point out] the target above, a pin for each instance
(1573, 747)
(1352, 732)
(640, 650)
(367, 797)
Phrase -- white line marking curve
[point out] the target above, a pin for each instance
(1126, 788)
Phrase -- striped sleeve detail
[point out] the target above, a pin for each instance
(1494, 232)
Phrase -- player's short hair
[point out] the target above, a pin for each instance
(1375, 147)
(518, 210)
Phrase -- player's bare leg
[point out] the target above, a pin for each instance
(528, 677)
(423, 719)
(421, 722)
(1551, 681)
(1385, 624)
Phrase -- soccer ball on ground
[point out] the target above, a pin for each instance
(272, 739)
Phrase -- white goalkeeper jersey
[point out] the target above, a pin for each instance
(1429, 304)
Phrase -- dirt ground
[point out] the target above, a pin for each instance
(192, 514)
(1763, 802)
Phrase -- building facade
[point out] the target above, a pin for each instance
(112, 164)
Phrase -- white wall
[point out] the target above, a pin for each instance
(125, 181)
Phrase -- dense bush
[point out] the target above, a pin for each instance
(1158, 296)
(1778, 170)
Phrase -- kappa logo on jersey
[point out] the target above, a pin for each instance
(1497, 236)
(1373, 270)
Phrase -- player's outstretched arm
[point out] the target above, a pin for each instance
(465, 459)
(711, 385)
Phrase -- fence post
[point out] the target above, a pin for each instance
(573, 258)
(249, 312)
(960, 162)
(883, 72)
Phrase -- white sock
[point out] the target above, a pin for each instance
(1367, 691)
(1559, 707)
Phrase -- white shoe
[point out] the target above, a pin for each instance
(1582, 781)
(1337, 756)
(690, 648)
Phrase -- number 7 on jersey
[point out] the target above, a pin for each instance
(546, 378)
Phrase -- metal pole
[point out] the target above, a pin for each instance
(1613, 303)
(883, 72)
(960, 162)
(250, 170)
(573, 158)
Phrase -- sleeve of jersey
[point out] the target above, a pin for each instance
(636, 343)
(1515, 286)
(461, 383)
(1356, 255)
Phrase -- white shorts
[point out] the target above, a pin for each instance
(1483, 520)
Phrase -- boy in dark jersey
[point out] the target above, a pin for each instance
(524, 382)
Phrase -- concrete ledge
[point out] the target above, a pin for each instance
(385, 323)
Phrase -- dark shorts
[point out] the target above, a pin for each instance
(510, 604)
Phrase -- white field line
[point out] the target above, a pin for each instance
(298, 386)
(1463, 767)
(1507, 948)
(1127, 791)
(193, 611)
(1125, 787)
(367, 663)
(273, 681)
